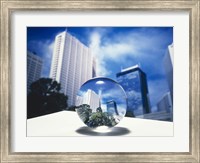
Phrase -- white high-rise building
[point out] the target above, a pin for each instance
(72, 64)
(92, 99)
(34, 68)
(168, 62)
(89, 98)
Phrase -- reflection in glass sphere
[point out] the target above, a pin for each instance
(101, 102)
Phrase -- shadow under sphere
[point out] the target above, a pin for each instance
(115, 131)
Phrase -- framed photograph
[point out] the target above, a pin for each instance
(95, 80)
(104, 58)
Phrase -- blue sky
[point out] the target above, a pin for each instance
(114, 48)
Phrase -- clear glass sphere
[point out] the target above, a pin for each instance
(101, 102)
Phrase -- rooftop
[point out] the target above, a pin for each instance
(130, 68)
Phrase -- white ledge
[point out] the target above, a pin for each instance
(67, 123)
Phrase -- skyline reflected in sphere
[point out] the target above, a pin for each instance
(101, 102)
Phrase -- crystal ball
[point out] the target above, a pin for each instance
(101, 102)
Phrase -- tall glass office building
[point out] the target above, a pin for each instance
(72, 64)
(134, 82)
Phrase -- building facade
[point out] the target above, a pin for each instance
(165, 103)
(72, 64)
(159, 115)
(164, 110)
(112, 107)
(90, 98)
(168, 62)
(34, 68)
(134, 82)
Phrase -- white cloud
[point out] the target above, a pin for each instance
(106, 50)
(95, 44)
(117, 51)
(118, 48)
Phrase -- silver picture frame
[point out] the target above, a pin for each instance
(8, 7)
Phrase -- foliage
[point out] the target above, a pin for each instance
(45, 98)
(129, 114)
(99, 109)
(84, 112)
(71, 108)
(95, 119)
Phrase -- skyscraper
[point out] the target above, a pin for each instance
(72, 64)
(134, 82)
(168, 62)
(34, 68)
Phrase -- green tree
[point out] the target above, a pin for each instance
(84, 111)
(45, 98)
(100, 118)
(71, 108)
